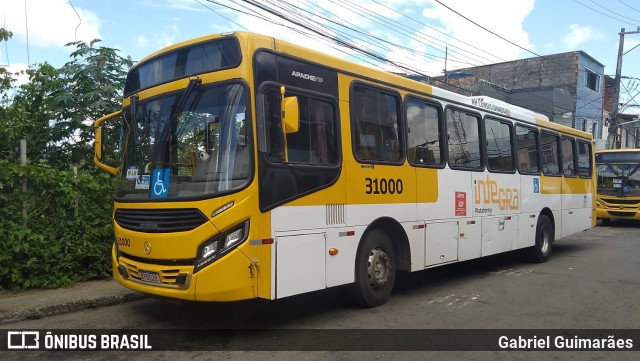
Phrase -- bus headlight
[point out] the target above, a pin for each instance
(217, 246)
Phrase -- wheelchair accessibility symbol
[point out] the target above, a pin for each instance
(536, 185)
(160, 180)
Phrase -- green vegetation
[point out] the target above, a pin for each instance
(66, 235)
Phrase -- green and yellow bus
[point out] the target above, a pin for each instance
(249, 167)
(618, 190)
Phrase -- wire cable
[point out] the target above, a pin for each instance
(75, 34)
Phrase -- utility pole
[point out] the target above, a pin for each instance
(23, 161)
(613, 123)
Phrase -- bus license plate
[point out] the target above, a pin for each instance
(149, 276)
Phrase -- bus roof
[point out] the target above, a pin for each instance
(484, 103)
(623, 150)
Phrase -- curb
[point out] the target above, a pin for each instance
(66, 307)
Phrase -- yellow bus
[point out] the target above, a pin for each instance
(618, 190)
(249, 167)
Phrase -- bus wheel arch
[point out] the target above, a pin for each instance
(399, 239)
(382, 250)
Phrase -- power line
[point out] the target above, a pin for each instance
(489, 31)
(26, 24)
(440, 32)
(345, 32)
(75, 34)
(615, 13)
(220, 15)
(629, 6)
(6, 42)
(601, 13)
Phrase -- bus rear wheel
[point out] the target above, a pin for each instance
(544, 240)
(375, 270)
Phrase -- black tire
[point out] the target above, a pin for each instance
(544, 240)
(375, 270)
(606, 221)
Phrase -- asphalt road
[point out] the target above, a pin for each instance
(592, 281)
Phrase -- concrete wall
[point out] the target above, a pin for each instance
(554, 85)
(588, 101)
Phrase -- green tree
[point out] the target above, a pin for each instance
(67, 235)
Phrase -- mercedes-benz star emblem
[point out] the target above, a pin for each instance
(147, 247)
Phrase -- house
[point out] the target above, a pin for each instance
(566, 87)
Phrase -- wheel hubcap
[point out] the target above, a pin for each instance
(378, 268)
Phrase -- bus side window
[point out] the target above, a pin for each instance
(375, 125)
(273, 126)
(463, 135)
(527, 150)
(568, 157)
(584, 159)
(550, 154)
(499, 146)
(315, 142)
(424, 124)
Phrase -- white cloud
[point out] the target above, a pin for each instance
(143, 41)
(424, 51)
(50, 23)
(501, 17)
(18, 73)
(579, 35)
(166, 37)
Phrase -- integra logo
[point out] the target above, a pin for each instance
(306, 76)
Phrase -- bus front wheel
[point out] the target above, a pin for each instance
(544, 240)
(375, 270)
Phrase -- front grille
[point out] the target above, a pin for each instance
(620, 201)
(160, 262)
(621, 214)
(168, 275)
(160, 220)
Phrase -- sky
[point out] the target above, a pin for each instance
(414, 34)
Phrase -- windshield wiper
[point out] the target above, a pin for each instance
(160, 153)
(193, 83)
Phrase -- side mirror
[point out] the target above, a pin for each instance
(290, 113)
(98, 144)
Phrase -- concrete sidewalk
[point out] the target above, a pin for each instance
(32, 304)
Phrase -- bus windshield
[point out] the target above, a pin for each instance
(617, 175)
(190, 143)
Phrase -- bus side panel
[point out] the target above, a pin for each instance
(340, 268)
(453, 187)
(496, 201)
(551, 197)
(301, 265)
(576, 202)
(531, 204)
(452, 202)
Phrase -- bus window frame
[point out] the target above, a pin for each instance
(441, 131)
(478, 116)
(537, 149)
(177, 51)
(558, 153)
(511, 126)
(261, 130)
(591, 158)
(401, 123)
(574, 156)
